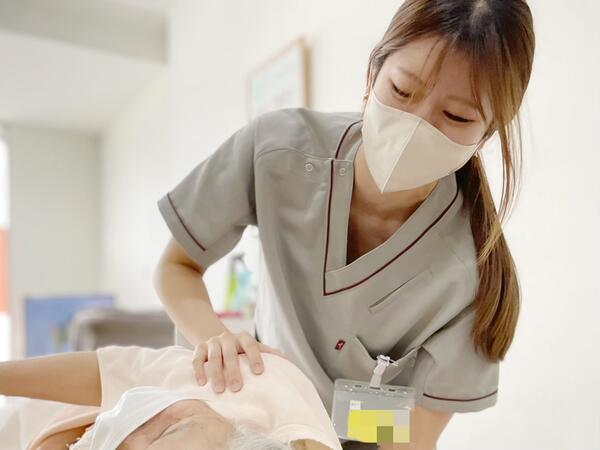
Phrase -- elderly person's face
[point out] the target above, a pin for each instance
(186, 424)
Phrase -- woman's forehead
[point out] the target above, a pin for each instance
(416, 62)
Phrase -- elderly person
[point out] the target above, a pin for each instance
(141, 398)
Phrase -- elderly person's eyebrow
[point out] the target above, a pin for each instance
(181, 426)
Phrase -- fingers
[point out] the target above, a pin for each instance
(215, 364)
(269, 349)
(218, 359)
(233, 376)
(199, 358)
(252, 350)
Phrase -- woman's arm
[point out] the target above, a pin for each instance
(64, 377)
(179, 285)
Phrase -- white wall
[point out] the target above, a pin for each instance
(135, 169)
(54, 216)
(548, 396)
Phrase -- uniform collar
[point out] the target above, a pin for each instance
(400, 251)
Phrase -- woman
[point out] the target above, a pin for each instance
(378, 229)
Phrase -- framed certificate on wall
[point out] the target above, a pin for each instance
(280, 81)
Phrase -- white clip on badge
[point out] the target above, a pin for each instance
(372, 412)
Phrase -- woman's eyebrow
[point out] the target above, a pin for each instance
(410, 74)
(457, 98)
(463, 100)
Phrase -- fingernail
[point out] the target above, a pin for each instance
(235, 385)
(257, 367)
(201, 381)
(219, 386)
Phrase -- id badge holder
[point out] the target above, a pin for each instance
(371, 411)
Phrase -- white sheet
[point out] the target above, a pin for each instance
(21, 419)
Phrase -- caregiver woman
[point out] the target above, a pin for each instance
(378, 230)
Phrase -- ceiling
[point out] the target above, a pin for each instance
(74, 64)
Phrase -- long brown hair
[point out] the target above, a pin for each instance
(496, 37)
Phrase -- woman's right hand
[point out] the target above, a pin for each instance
(221, 352)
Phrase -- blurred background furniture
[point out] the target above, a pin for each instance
(93, 328)
(48, 318)
(98, 327)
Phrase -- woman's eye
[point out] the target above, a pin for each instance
(456, 118)
(451, 116)
(400, 92)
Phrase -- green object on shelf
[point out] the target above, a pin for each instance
(239, 284)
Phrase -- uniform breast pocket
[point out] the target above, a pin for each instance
(355, 362)
(406, 292)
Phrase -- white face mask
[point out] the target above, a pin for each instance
(404, 151)
(136, 406)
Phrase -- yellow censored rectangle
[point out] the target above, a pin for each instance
(379, 425)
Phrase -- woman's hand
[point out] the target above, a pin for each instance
(221, 352)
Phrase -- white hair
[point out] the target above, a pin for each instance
(245, 438)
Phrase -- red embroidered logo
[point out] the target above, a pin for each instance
(340, 344)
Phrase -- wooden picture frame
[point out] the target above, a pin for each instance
(280, 81)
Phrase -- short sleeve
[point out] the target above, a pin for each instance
(208, 210)
(450, 375)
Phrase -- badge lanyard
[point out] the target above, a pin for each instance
(372, 412)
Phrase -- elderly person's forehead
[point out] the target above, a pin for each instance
(182, 418)
(193, 422)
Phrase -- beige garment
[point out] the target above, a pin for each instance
(280, 402)
(66, 418)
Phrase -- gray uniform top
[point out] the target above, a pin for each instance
(290, 173)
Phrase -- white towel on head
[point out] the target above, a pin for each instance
(136, 406)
